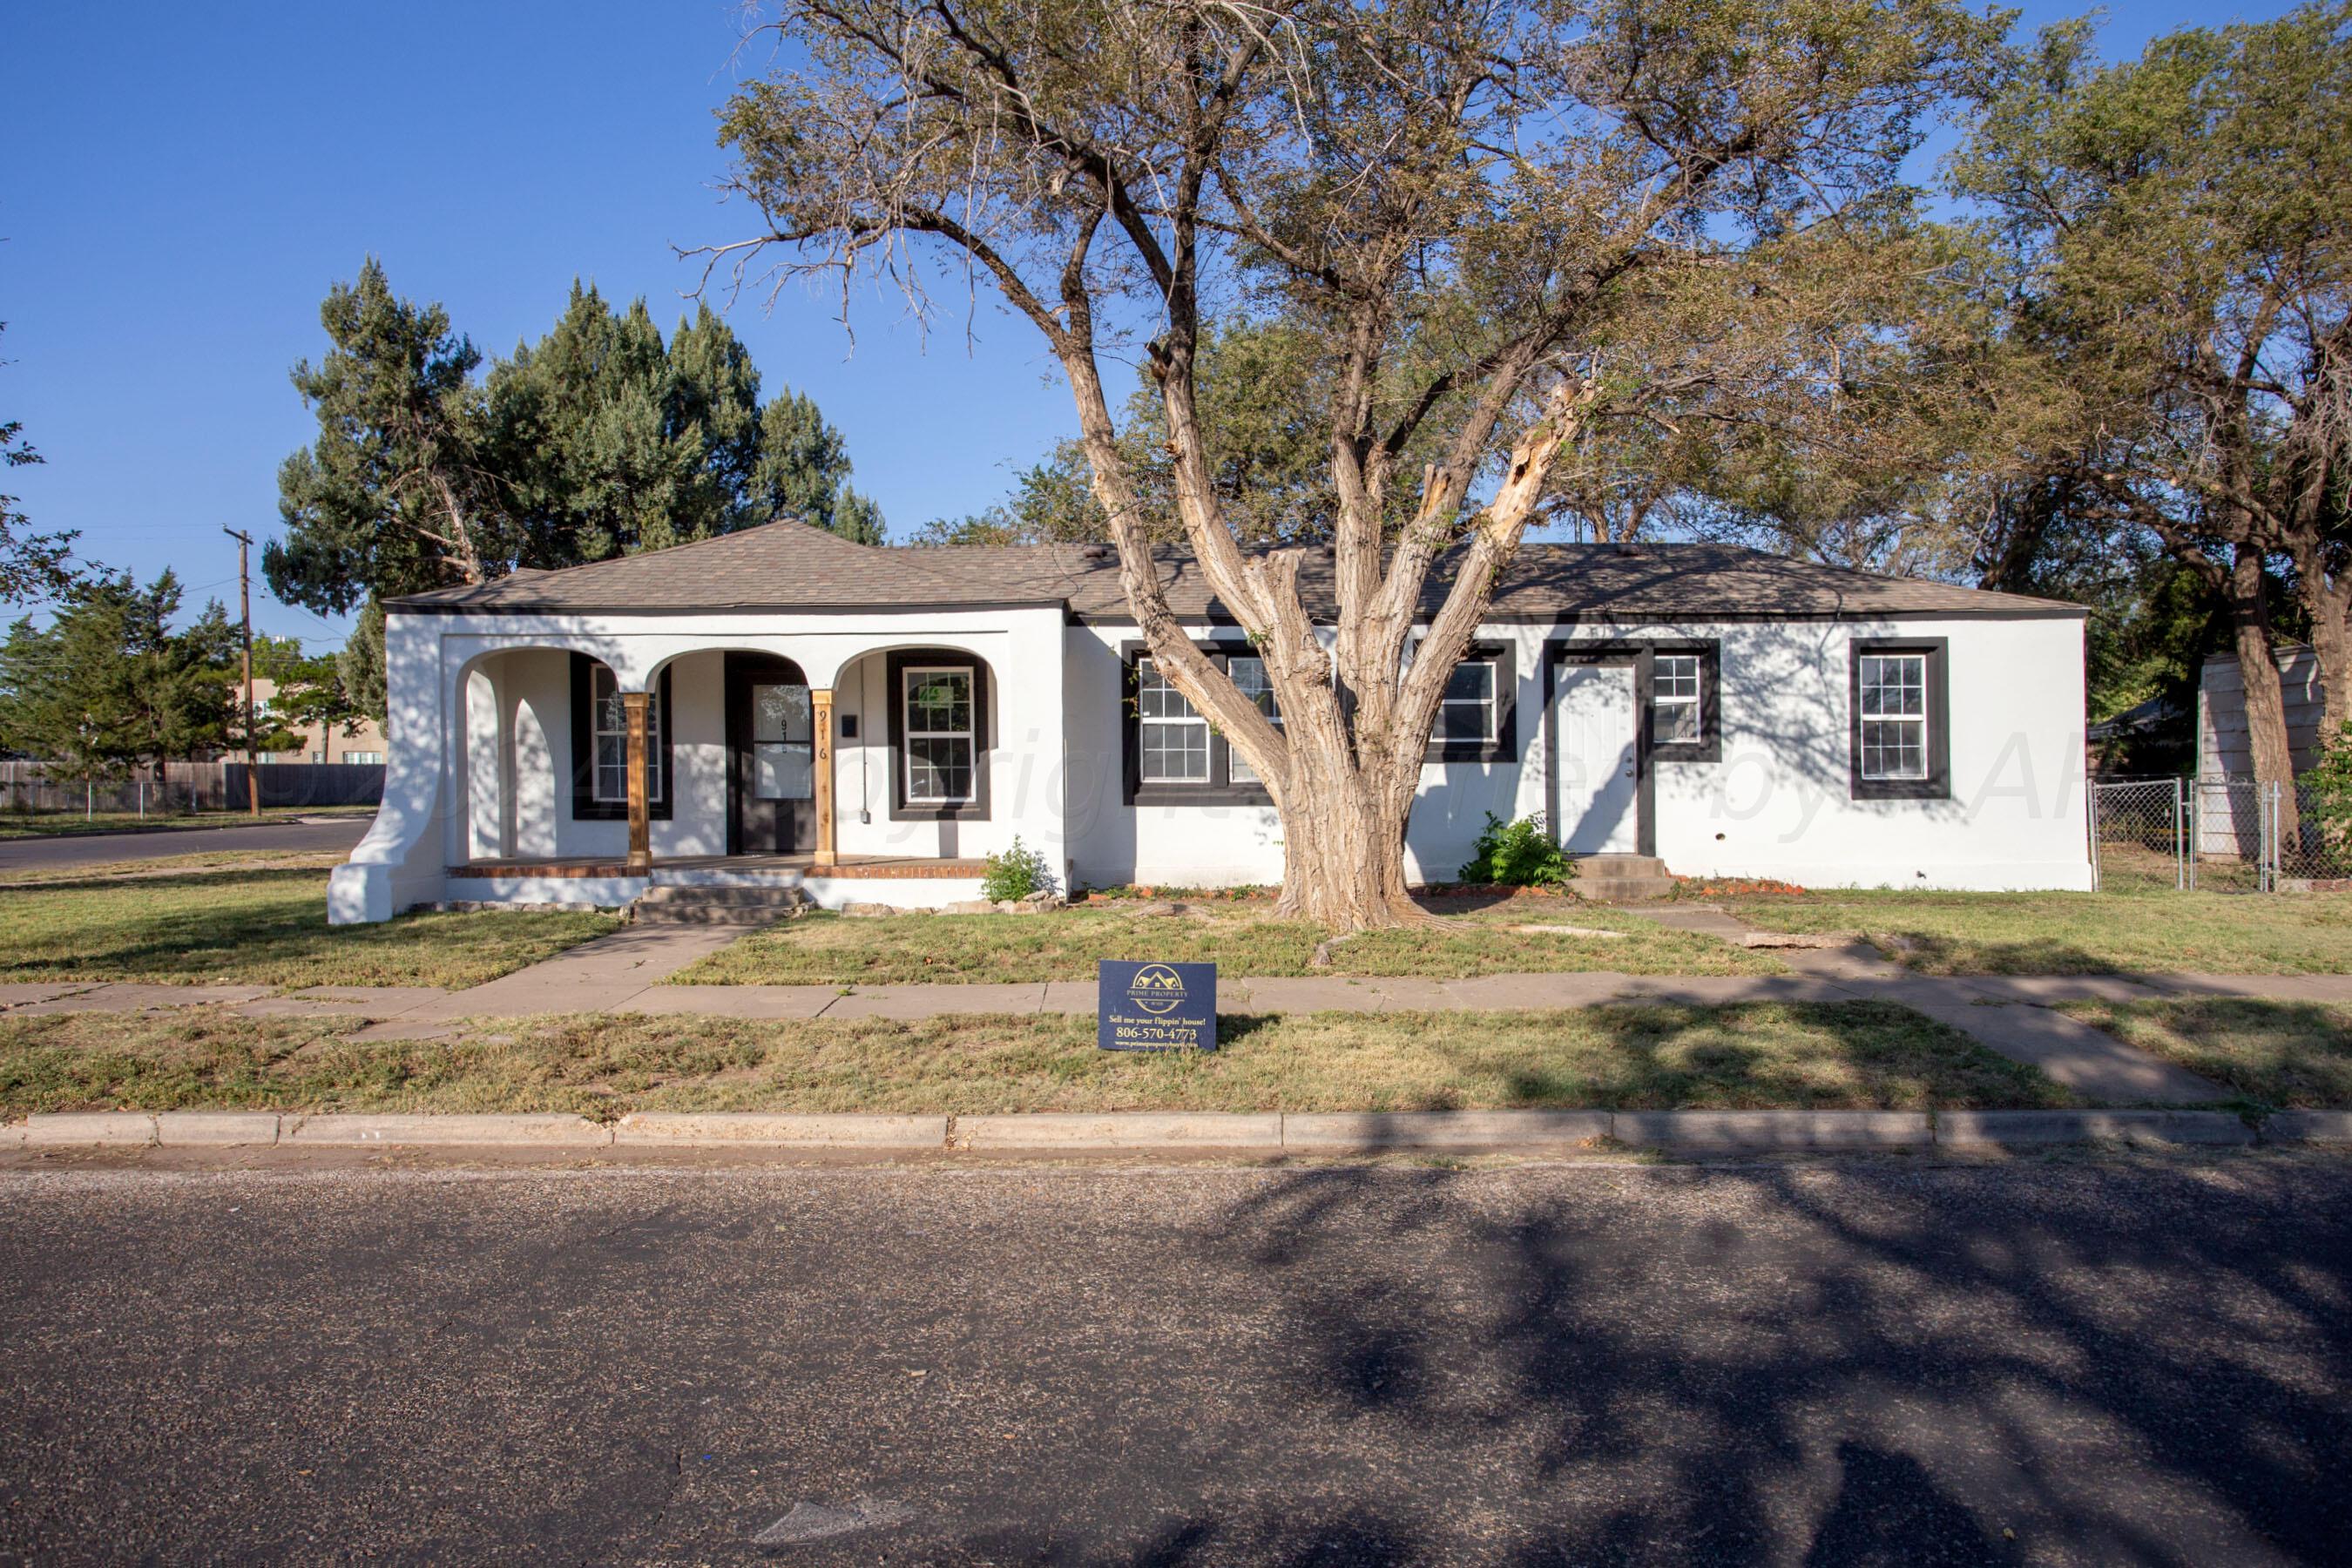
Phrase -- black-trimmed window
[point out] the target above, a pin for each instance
(600, 745)
(1476, 716)
(1174, 756)
(939, 736)
(1685, 678)
(1899, 701)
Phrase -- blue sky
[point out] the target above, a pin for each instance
(184, 182)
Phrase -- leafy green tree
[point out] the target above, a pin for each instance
(2180, 222)
(397, 494)
(308, 690)
(32, 566)
(1454, 208)
(109, 685)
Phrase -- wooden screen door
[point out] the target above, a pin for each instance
(770, 752)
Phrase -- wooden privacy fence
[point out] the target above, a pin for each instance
(31, 788)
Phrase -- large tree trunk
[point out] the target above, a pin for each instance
(2266, 738)
(1342, 852)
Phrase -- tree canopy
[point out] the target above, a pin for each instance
(1472, 228)
(599, 439)
(109, 686)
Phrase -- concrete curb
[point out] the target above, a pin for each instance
(2309, 1127)
(2030, 1129)
(658, 1128)
(1342, 1132)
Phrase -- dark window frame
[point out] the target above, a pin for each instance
(586, 806)
(895, 668)
(1502, 745)
(1708, 746)
(1937, 784)
(1219, 788)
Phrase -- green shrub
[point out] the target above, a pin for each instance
(1517, 854)
(2327, 787)
(1015, 874)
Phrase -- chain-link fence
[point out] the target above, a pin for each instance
(2220, 835)
(2137, 838)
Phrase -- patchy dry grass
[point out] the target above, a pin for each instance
(260, 927)
(1845, 1056)
(1242, 936)
(2081, 933)
(2292, 1055)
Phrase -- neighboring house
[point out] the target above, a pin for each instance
(2224, 749)
(320, 743)
(868, 723)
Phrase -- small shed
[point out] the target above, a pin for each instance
(2223, 750)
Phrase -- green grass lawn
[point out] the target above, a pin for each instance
(259, 926)
(830, 950)
(2080, 933)
(66, 823)
(1855, 1055)
(2292, 1055)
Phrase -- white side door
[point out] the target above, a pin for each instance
(1598, 808)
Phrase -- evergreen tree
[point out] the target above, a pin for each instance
(612, 441)
(397, 495)
(803, 472)
(109, 686)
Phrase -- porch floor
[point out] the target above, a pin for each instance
(794, 866)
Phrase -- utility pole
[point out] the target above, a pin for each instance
(245, 612)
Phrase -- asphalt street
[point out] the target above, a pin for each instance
(71, 849)
(2073, 1361)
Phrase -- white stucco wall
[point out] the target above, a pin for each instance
(1778, 804)
(479, 727)
(480, 753)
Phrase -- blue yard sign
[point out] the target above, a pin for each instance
(1155, 1007)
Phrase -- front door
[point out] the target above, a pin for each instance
(770, 749)
(1598, 811)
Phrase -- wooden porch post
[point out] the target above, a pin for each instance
(641, 849)
(820, 725)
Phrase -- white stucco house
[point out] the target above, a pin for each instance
(870, 722)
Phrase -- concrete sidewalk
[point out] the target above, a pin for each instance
(623, 972)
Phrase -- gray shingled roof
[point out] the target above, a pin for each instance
(791, 567)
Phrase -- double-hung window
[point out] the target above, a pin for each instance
(1172, 738)
(1174, 755)
(939, 735)
(1466, 714)
(1894, 716)
(610, 782)
(1473, 722)
(600, 745)
(1249, 674)
(1901, 736)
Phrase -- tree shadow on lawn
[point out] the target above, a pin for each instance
(1839, 1365)
(1667, 1056)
